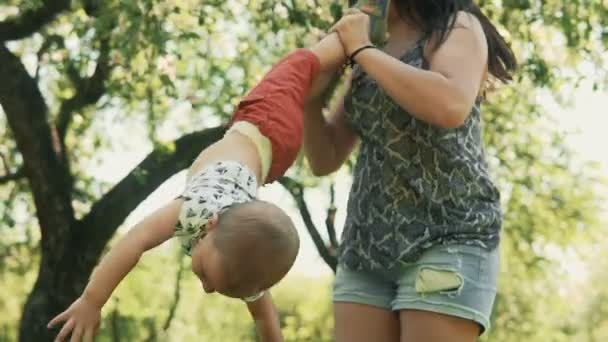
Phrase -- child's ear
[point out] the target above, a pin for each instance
(212, 221)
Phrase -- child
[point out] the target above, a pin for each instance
(239, 246)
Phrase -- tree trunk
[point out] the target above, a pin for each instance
(55, 289)
(71, 251)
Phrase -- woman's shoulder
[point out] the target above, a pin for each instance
(468, 20)
(465, 23)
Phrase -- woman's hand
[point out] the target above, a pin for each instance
(353, 29)
(443, 94)
(81, 319)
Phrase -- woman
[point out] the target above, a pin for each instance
(419, 257)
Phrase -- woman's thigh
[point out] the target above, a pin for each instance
(435, 327)
(364, 323)
(362, 307)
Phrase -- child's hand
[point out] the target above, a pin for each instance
(81, 319)
(266, 318)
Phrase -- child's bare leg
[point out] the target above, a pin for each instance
(331, 57)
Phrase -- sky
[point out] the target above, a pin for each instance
(585, 124)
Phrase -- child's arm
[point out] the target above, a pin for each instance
(266, 319)
(83, 316)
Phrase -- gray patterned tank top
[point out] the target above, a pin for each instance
(415, 185)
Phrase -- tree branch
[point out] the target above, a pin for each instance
(12, 176)
(330, 219)
(115, 323)
(108, 213)
(51, 40)
(8, 175)
(32, 20)
(176, 294)
(297, 192)
(88, 90)
(26, 114)
(92, 7)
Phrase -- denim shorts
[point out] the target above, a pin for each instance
(455, 280)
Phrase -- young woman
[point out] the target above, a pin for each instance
(419, 257)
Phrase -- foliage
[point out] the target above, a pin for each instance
(122, 76)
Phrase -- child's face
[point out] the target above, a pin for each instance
(206, 264)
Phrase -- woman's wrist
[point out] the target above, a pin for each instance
(351, 47)
(352, 58)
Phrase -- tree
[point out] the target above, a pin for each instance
(69, 66)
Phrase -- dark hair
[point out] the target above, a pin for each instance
(437, 17)
(258, 244)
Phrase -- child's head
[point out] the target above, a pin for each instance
(249, 248)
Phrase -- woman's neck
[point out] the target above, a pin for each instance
(403, 30)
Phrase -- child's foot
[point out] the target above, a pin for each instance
(378, 13)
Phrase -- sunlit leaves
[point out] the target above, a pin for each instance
(180, 66)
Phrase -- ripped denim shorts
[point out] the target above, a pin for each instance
(455, 280)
